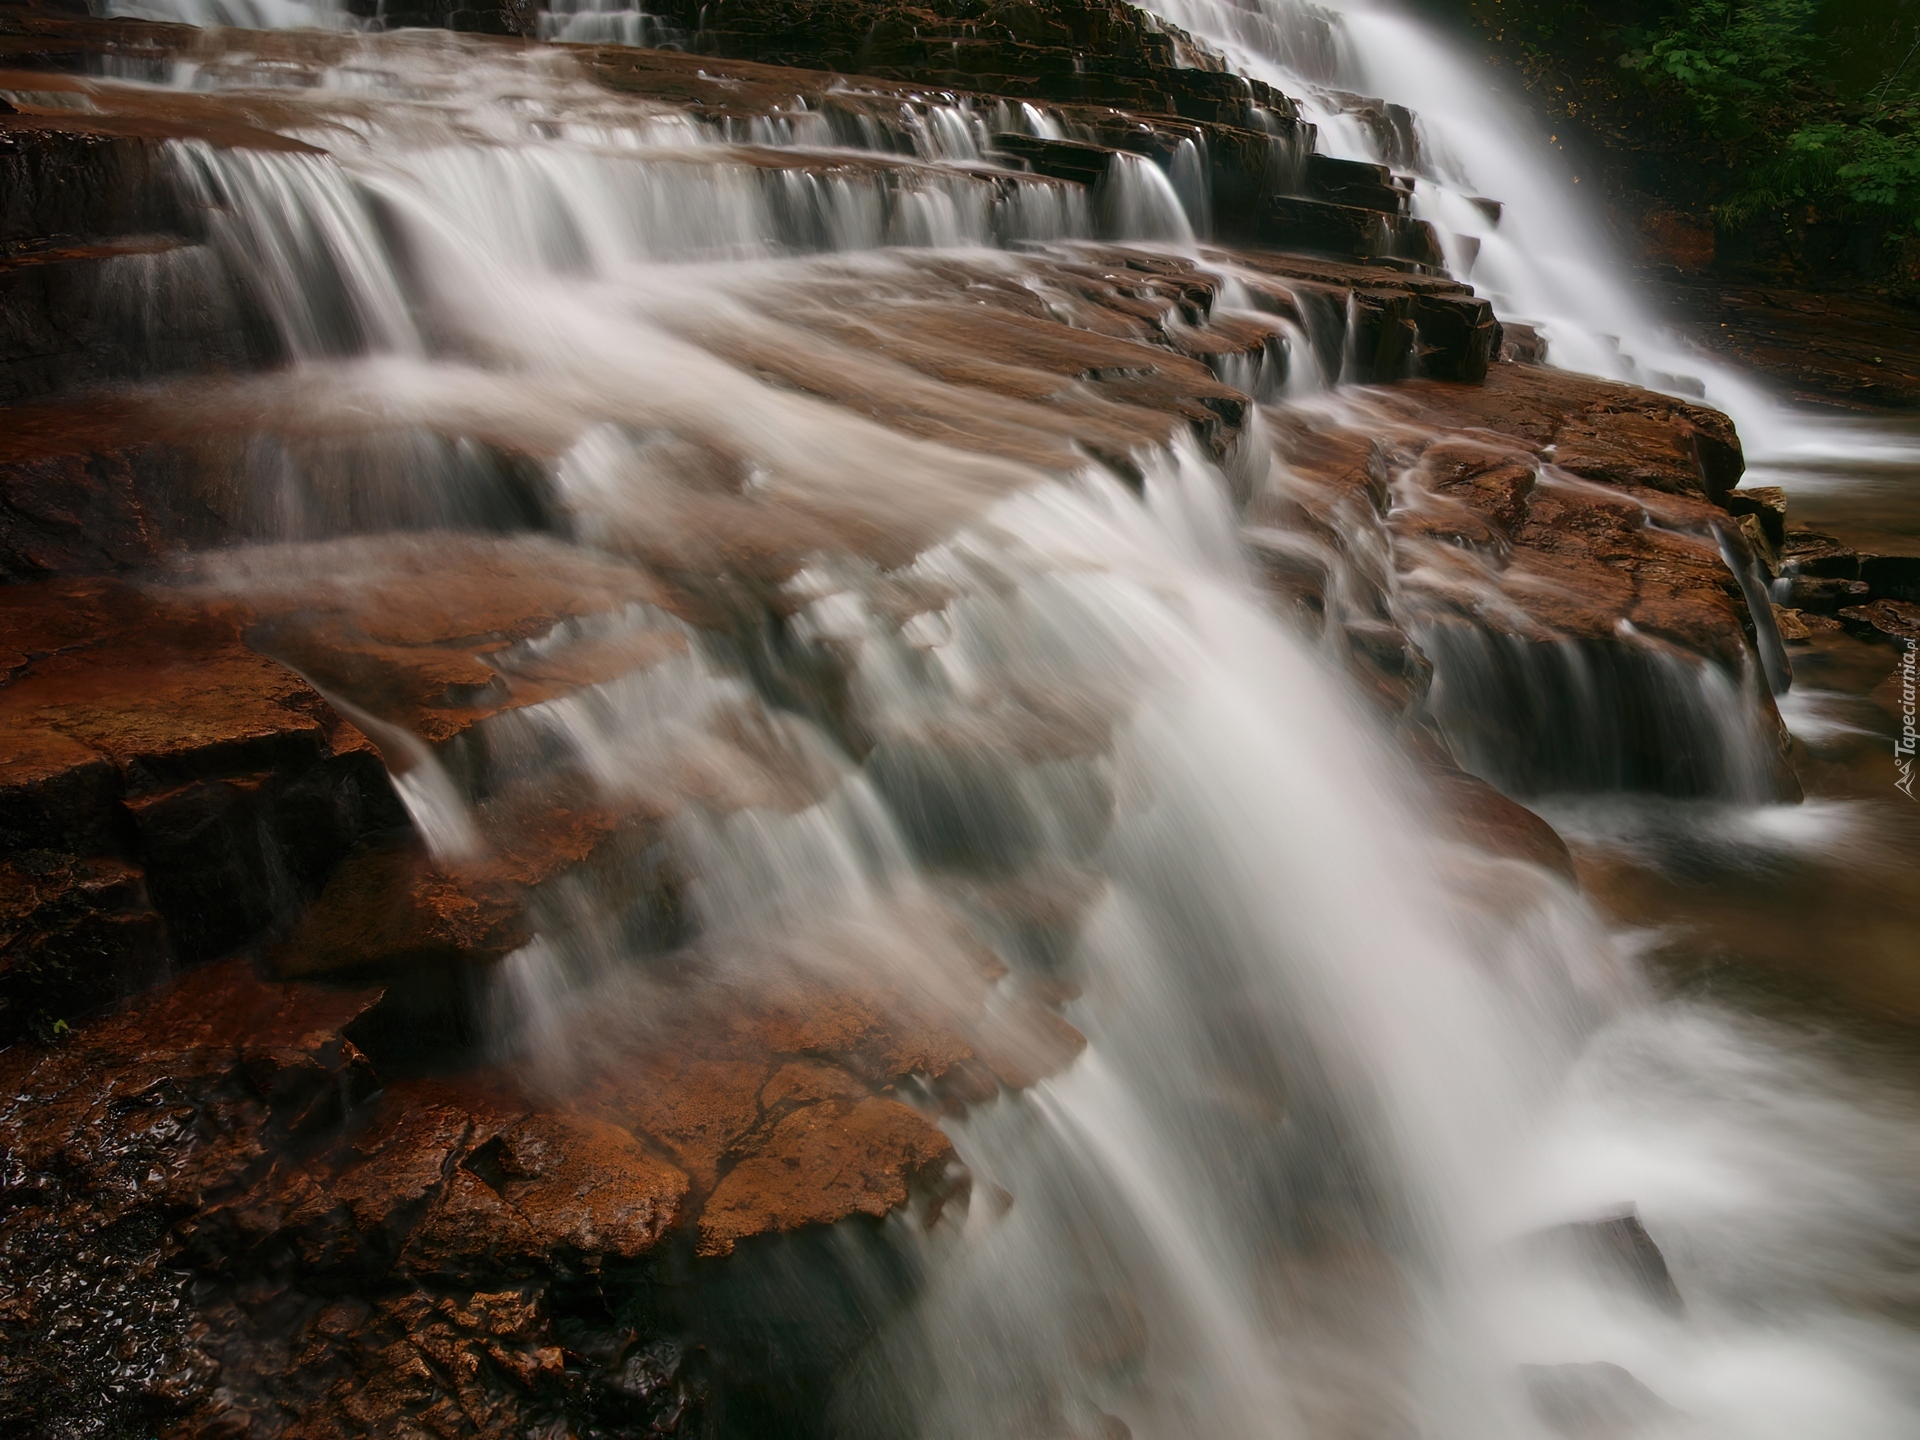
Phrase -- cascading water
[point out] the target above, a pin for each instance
(246, 14)
(1341, 1076)
(1538, 252)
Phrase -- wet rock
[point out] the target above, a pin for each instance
(1891, 577)
(78, 313)
(817, 1164)
(280, 1239)
(1405, 324)
(1073, 160)
(1350, 231)
(1807, 552)
(1659, 452)
(63, 176)
(1851, 350)
(581, 1186)
(392, 908)
(1610, 433)
(111, 1135)
(1619, 1248)
(85, 487)
(75, 933)
(1767, 504)
(146, 743)
(428, 632)
(1522, 345)
(1824, 596)
(1542, 540)
(1797, 627)
(1765, 553)
(1075, 50)
(1457, 336)
(719, 1094)
(1354, 182)
(1593, 1401)
(1884, 619)
(1486, 818)
(488, 17)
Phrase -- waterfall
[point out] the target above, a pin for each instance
(245, 14)
(1136, 199)
(1343, 1076)
(1539, 253)
(604, 22)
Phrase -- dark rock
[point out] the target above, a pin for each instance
(78, 314)
(1891, 577)
(1354, 182)
(1385, 336)
(1522, 344)
(88, 488)
(1825, 597)
(486, 17)
(74, 180)
(1884, 619)
(1619, 1247)
(1456, 337)
(1073, 160)
(1768, 505)
(221, 784)
(1856, 351)
(1349, 231)
(1402, 324)
(75, 933)
(1821, 557)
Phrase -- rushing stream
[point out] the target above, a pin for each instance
(1344, 1078)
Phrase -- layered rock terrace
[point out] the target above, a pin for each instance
(265, 1174)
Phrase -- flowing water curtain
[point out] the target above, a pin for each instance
(244, 14)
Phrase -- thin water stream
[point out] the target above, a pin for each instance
(1344, 1077)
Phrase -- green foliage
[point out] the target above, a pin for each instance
(1753, 77)
(46, 1029)
(1863, 168)
(1734, 60)
(1796, 122)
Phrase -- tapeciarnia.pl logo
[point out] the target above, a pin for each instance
(1903, 747)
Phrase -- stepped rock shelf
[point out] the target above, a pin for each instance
(264, 1173)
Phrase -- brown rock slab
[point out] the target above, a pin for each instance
(818, 1164)
(426, 631)
(395, 906)
(1482, 816)
(138, 733)
(582, 1185)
